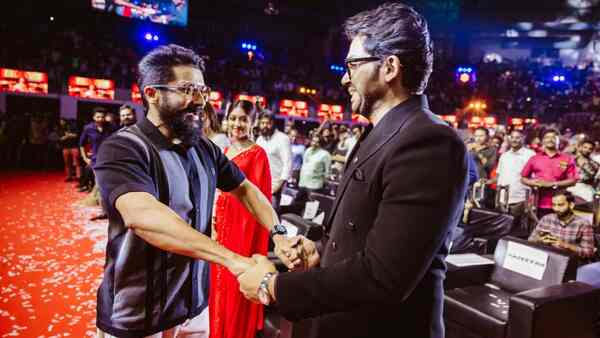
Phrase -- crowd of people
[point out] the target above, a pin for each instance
(560, 171)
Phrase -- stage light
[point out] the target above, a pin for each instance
(155, 38)
(561, 78)
(51, 18)
(148, 36)
(244, 45)
(464, 78)
(302, 90)
(528, 99)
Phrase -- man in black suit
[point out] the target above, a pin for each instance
(382, 270)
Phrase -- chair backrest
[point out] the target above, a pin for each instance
(325, 202)
(521, 265)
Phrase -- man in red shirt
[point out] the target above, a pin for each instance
(549, 171)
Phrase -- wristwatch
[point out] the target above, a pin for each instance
(264, 296)
(278, 229)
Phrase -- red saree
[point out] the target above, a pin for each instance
(231, 315)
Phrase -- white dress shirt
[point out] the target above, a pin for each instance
(279, 151)
(509, 173)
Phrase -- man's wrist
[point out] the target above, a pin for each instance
(271, 287)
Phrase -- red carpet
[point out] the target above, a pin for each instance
(51, 258)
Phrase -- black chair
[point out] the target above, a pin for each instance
(505, 304)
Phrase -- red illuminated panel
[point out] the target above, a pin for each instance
(92, 88)
(490, 120)
(516, 121)
(335, 112)
(293, 108)
(136, 95)
(20, 81)
(216, 100)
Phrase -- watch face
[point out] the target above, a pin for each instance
(279, 229)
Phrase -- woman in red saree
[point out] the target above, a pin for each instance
(231, 315)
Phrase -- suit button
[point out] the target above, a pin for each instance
(334, 246)
(351, 226)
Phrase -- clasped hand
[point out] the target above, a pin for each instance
(297, 253)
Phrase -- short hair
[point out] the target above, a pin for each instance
(126, 106)
(266, 115)
(550, 130)
(157, 66)
(485, 130)
(98, 110)
(397, 29)
(568, 195)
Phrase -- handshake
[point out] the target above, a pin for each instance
(297, 253)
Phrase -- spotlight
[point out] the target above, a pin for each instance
(148, 36)
(155, 38)
(555, 78)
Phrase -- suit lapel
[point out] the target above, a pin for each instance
(388, 127)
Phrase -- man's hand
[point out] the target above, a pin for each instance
(250, 280)
(564, 245)
(288, 250)
(87, 160)
(240, 265)
(308, 254)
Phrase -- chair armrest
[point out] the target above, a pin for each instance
(565, 310)
(463, 276)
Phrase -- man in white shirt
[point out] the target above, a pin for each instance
(279, 150)
(509, 174)
(315, 165)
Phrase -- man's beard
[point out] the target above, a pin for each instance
(184, 124)
(365, 105)
(128, 122)
(267, 132)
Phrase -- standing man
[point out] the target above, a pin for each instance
(315, 165)
(510, 165)
(156, 271)
(93, 134)
(587, 169)
(483, 153)
(127, 116)
(401, 195)
(548, 171)
(278, 148)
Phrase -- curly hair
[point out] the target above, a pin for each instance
(397, 29)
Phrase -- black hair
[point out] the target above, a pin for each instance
(157, 66)
(397, 29)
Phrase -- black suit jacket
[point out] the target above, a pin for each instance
(383, 268)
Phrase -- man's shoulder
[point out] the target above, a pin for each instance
(581, 221)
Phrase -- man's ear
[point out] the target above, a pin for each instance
(151, 95)
(392, 68)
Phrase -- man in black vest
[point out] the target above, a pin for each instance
(382, 270)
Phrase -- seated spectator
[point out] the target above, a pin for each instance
(563, 229)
